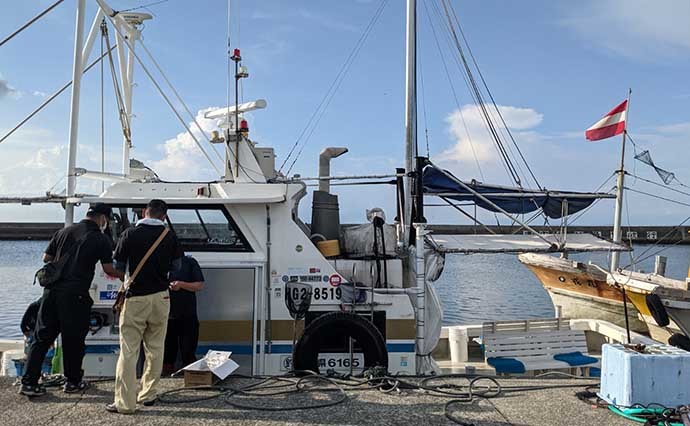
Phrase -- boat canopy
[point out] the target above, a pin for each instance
(513, 200)
(522, 243)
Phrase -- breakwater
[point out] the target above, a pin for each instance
(635, 234)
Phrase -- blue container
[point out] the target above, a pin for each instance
(661, 375)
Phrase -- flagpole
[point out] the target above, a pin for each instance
(617, 231)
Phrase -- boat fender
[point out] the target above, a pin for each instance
(305, 354)
(680, 341)
(657, 309)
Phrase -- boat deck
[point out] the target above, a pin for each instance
(364, 407)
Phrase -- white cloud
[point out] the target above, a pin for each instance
(182, 158)
(39, 94)
(638, 29)
(472, 141)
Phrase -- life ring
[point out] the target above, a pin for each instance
(305, 355)
(657, 309)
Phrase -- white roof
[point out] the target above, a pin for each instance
(518, 243)
(186, 193)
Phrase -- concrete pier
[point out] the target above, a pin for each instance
(556, 406)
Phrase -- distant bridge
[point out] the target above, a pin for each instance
(636, 234)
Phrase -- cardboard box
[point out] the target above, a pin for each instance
(209, 370)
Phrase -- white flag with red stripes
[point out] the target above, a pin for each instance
(612, 124)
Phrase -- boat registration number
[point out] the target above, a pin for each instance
(319, 293)
(335, 361)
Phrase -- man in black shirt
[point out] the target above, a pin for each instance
(144, 316)
(183, 324)
(66, 306)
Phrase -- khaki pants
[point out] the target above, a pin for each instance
(143, 318)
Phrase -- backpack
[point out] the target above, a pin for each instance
(51, 272)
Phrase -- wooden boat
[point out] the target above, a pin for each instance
(581, 290)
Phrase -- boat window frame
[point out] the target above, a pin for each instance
(246, 246)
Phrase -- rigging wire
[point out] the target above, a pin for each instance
(452, 88)
(51, 98)
(180, 100)
(486, 86)
(332, 89)
(475, 92)
(29, 22)
(640, 257)
(164, 96)
(144, 6)
(122, 112)
(657, 196)
(658, 184)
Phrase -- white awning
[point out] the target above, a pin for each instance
(518, 243)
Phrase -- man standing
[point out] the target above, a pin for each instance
(183, 324)
(144, 316)
(66, 306)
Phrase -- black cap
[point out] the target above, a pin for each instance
(99, 208)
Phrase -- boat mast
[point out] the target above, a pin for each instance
(410, 115)
(617, 231)
(77, 71)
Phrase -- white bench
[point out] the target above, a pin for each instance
(515, 347)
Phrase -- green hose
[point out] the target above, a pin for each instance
(632, 413)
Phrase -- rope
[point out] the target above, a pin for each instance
(144, 6)
(31, 21)
(332, 89)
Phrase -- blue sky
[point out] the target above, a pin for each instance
(554, 67)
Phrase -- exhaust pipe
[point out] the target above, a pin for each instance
(325, 165)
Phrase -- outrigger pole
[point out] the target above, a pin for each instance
(617, 231)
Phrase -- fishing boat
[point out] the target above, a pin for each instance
(580, 290)
(281, 295)
(662, 302)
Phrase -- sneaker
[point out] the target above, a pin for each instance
(32, 390)
(112, 408)
(76, 387)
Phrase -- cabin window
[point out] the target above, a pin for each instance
(198, 228)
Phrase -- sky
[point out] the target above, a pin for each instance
(554, 68)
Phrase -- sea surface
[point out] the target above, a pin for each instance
(473, 288)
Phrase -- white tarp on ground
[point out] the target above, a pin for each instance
(519, 243)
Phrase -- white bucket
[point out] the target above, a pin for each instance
(457, 342)
(8, 358)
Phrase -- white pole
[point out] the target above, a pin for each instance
(420, 274)
(617, 229)
(77, 71)
(410, 113)
(91, 38)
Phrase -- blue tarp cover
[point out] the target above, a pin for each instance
(512, 200)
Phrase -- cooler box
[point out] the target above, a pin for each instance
(660, 375)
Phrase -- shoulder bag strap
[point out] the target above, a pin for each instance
(148, 254)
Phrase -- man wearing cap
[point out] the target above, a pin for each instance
(66, 306)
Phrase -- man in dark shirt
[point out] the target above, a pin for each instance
(144, 316)
(183, 324)
(66, 306)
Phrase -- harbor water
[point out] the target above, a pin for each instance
(472, 288)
